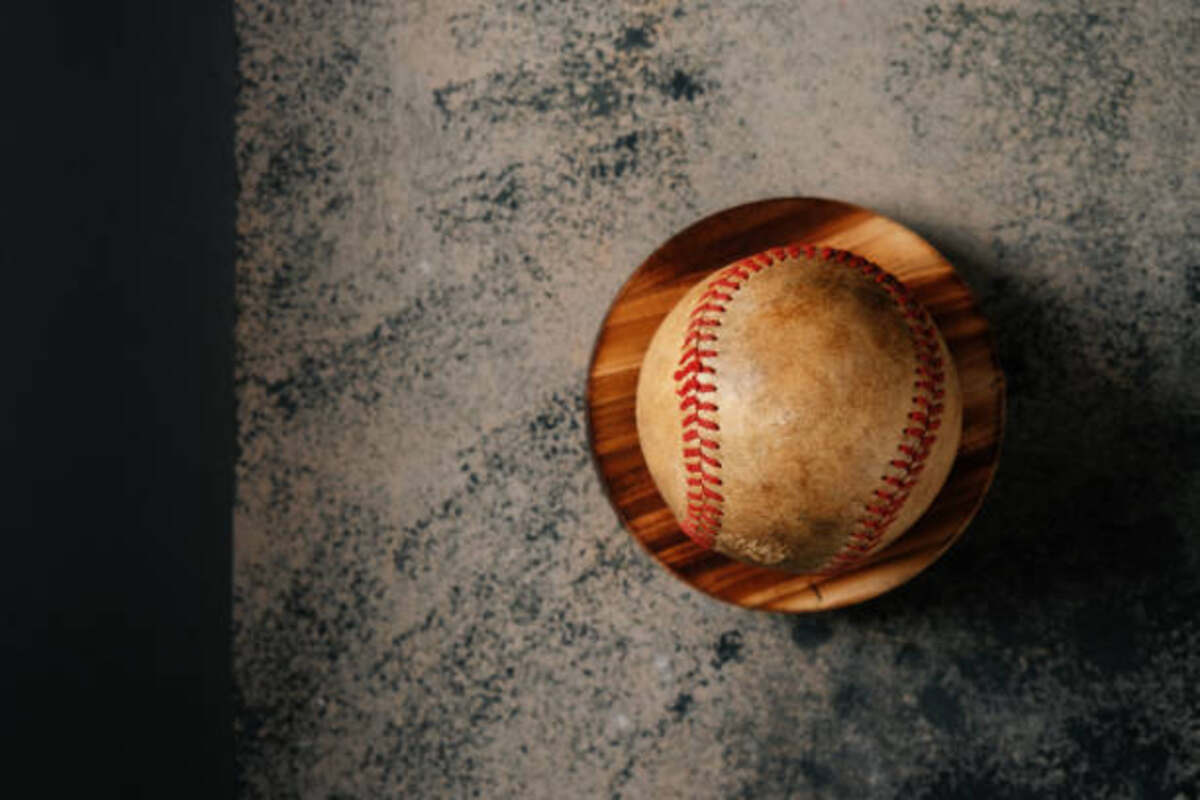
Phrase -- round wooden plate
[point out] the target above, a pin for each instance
(713, 242)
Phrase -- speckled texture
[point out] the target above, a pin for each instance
(438, 201)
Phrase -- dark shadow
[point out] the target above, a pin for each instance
(1072, 598)
(1081, 524)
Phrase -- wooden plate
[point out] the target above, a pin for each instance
(713, 242)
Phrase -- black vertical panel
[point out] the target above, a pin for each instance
(117, 420)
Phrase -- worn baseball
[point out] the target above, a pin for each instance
(798, 409)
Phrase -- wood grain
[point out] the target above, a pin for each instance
(653, 289)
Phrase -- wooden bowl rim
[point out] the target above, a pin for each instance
(895, 550)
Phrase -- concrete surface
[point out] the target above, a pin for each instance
(438, 201)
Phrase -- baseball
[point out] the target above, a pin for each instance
(798, 410)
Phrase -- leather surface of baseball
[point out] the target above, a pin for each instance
(798, 409)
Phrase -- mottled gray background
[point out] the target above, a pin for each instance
(438, 201)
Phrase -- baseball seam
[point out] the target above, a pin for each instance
(695, 379)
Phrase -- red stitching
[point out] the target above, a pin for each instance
(692, 401)
(695, 365)
(703, 307)
(703, 518)
(695, 352)
(702, 521)
(916, 439)
(704, 322)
